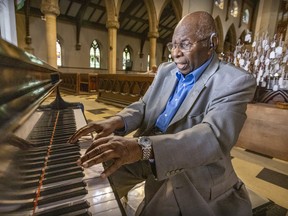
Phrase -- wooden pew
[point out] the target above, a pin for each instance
(122, 89)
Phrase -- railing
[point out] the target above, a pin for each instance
(79, 83)
(122, 89)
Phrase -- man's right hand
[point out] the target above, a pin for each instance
(102, 128)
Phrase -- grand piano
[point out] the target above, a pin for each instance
(38, 170)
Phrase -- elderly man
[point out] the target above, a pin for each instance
(187, 123)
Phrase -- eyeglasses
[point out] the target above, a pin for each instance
(184, 46)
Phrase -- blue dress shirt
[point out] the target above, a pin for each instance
(184, 85)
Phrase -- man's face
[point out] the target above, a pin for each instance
(188, 60)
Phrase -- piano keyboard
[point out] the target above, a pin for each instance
(49, 180)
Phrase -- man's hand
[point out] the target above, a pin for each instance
(102, 128)
(119, 149)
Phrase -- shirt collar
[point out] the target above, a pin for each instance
(193, 75)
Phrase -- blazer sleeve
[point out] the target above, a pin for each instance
(134, 114)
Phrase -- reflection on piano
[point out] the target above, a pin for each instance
(38, 170)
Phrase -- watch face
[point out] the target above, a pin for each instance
(145, 141)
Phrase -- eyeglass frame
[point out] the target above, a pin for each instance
(192, 44)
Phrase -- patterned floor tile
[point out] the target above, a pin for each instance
(273, 177)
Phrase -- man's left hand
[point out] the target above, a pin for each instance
(119, 149)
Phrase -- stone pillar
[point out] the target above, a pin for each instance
(153, 45)
(51, 10)
(112, 27)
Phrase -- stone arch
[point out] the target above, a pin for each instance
(219, 30)
(153, 21)
(230, 40)
(177, 9)
(176, 4)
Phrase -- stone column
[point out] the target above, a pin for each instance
(153, 43)
(51, 10)
(112, 27)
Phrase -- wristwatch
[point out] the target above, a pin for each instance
(146, 145)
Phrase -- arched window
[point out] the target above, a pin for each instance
(59, 53)
(219, 3)
(246, 16)
(234, 8)
(127, 62)
(95, 55)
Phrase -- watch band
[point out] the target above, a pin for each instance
(146, 146)
(146, 153)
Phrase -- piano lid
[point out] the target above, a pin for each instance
(25, 81)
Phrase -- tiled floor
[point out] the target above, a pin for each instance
(266, 176)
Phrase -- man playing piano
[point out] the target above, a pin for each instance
(187, 123)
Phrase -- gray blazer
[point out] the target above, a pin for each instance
(193, 169)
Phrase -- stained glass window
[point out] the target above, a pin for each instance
(246, 15)
(127, 63)
(95, 55)
(234, 8)
(219, 3)
(59, 53)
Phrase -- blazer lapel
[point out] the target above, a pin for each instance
(163, 97)
(196, 90)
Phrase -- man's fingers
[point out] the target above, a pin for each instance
(97, 142)
(81, 132)
(100, 158)
(94, 152)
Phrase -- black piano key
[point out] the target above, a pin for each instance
(31, 177)
(44, 200)
(56, 167)
(54, 148)
(27, 166)
(59, 172)
(35, 182)
(64, 209)
(19, 195)
(51, 168)
(64, 177)
(63, 160)
(51, 174)
(28, 195)
(31, 172)
(51, 129)
(40, 164)
(30, 184)
(47, 135)
(53, 155)
(16, 205)
(62, 187)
